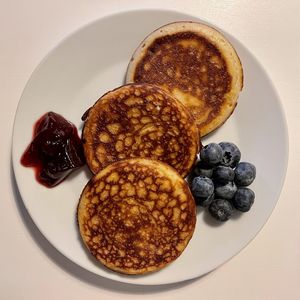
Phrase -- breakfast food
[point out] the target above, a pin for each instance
(219, 181)
(232, 154)
(225, 190)
(243, 199)
(136, 216)
(196, 64)
(202, 187)
(221, 209)
(55, 151)
(140, 120)
(244, 173)
(211, 154)
(223, 174)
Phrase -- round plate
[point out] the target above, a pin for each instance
(92, 61)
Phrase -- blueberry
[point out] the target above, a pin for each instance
(221, 210)
(211, 154)
(202, 187)
(223, 174)
(202, 169)
(225, 191)
(244, 174)
(205, 202)
(231, 154)
(243, 199)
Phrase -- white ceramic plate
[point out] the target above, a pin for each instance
(92, 61)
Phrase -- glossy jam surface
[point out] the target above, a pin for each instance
(55, 151)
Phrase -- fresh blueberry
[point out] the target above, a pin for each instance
(221, 209)
(202, 187)
(225, 191)
(205, 202)
(211, 154)
(243, 199)
(231, 154)
(202, 169)
(223, 174)
(244, 174)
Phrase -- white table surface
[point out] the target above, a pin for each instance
(268, 268)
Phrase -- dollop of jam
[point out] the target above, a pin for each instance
(55, 151)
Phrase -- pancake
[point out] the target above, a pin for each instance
(197, 65)
(140, 120)
(136, 216)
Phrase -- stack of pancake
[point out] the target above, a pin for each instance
(137, 214)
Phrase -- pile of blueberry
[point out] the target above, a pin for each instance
(220, 181)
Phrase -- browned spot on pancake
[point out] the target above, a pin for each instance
(128, 230)
(190, 63)
(144, 122)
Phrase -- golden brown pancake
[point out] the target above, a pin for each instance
(197, 65)
(136, 216)
(140, 120)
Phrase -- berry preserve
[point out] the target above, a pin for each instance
(55, 151)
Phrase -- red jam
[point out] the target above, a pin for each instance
(55, 151)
